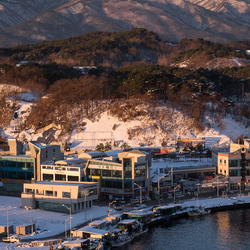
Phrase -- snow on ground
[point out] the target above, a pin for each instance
(49, 223)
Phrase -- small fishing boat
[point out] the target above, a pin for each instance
(198, 211)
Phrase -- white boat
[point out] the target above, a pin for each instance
(198, 211)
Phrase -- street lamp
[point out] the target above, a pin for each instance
(69, 216)
(140, 192)
(7, 209)
(7, 222)
(109, 206)
(66, 228)
(86, 193)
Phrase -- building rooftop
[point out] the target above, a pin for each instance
(52, 183)
(37, 144)
(92, 230)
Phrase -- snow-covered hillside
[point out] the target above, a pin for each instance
(141, 132)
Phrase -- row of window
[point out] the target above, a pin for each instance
(17, 175)
(59, 177)
(16, 164)
(61, 168)
(101, 163)
(234, 172)
(234, 163)
(105, 173)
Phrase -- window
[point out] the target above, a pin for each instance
(73, 178)
(220, 161)
(48, 177)
(234, 172)
(116, 174)
(225, 162)
(60, 177)
(79, 206)
(66, 194)
(49, 193)
(234, 163)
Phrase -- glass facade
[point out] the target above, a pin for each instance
(16, 168)
(127, 166)
(52, 206)
(111, 178)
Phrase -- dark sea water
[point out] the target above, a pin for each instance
(222, 230)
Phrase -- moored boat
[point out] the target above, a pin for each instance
(198, 211)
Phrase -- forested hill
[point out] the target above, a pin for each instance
(118, 49)
(196, 77)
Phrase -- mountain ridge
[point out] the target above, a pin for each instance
(34, 21)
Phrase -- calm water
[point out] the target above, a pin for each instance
(222, 230)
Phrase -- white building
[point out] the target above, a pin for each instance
(59, 196)
(71, 169)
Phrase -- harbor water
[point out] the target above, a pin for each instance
(222, 230)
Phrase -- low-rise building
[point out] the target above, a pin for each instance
(234, 162)
(59, 196)
(123, 178)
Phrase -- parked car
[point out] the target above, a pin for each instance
(139, 206)
(11, 239)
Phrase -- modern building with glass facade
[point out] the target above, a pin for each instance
(18, 166)
(122, 179)
(234, 162)
(59, 196)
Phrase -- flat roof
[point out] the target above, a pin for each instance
(92, 230)
(78, 184)
(16, 156)
(127, 221)
(37, 144)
